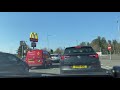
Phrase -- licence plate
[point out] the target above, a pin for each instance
(80, 66)
(30, 60)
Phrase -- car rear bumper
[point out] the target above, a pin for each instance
(71, 70)
(35, 65)
(56, 61)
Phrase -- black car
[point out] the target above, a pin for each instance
(79, 59)
(12, 65)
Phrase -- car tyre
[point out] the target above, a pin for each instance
(30, 68)
(45, 65)
(50, 65)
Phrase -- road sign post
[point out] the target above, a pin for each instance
(33, 44)
(109, 48)
(22, 44)
(110, 54)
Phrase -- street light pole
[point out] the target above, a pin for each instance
(47, 42)
(118, 28)
(23, 45)
(22, 51)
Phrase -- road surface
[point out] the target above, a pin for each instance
(106, 63)
(53, 70)
(56, 70)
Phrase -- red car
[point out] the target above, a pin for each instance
(36, 58)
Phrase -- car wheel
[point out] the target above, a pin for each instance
(50, 65)
(99, 66)
(45, 65)
(26, 70)
(30, 68)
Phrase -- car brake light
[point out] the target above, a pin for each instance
(96, 56)
(77, 46)
(66, 57)
(62, 58)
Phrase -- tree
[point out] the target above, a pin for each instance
(118, 48)
(114, 45)
(88, 44)
(99, 44)
(21, 53)
(51, 51)
(83, 44)
(110, 42)
(45, 49)
(95, 45)
(59, 50)
(104, 45)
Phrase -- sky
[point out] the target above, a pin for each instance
(62, 28)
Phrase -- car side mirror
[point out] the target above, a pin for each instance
(116, 71)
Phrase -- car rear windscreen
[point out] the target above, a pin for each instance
(82, 50)
(54, 55)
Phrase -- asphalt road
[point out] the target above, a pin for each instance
(106, 64)
(107, 57)
(55, 70)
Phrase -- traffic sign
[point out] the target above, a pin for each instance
(109, 48)
(33, 44)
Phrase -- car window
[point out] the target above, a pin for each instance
(79, 50)
(2, 58)
(7, 58)
(54, 55)
(12, 58)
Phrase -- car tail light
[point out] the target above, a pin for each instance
(64, 57)
(95, 55)
(77, 46)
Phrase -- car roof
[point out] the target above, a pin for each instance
(39, 50)
(54, 54)
(35, 50)
(78, 47)
(5, 53)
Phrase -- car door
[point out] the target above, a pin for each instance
(11, 64)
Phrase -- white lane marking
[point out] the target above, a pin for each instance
(54, 68)
(107, 67)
